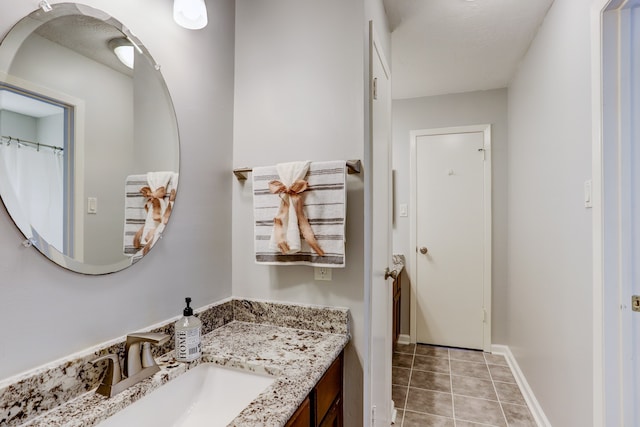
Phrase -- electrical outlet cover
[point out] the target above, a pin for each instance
(322, 273)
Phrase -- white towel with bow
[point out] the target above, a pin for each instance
(152, 228)
(290, 173)
(321, 199)
(147, 210)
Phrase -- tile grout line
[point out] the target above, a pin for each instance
(406, 397)
(453, 405)
(497, 395)
(434, 390)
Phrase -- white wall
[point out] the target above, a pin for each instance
(549, 242)
(154, 130)
(51, 130)
(472, 108)
(56, 312)
(12, 123)
(300, 94)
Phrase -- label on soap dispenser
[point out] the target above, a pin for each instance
(188, 346)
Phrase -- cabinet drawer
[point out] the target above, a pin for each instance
(328, 389)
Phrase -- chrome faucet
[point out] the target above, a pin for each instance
(139, 363)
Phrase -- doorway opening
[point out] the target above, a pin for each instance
(37, 160)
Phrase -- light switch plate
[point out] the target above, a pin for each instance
(588, 194)
(92, 205)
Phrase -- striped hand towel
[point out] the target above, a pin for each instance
(134, 213)
(324, 205)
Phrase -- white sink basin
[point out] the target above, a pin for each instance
(207, 395)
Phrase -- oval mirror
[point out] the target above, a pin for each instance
(89, 148)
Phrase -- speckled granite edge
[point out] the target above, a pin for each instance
(297, 359)
(399, 262)
(333, 320)
(47, 388)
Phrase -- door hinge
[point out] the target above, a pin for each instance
(484, 153)
(635, 303)
(373, 415)
(484, 316)
(375, 88)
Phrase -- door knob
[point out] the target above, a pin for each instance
(390, 273)
(424, 250)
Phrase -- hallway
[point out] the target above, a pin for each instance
(447, 387)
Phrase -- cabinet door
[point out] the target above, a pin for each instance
(302, 416)
(334, 415)
(328, 389)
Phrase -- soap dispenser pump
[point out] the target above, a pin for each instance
(187, 332)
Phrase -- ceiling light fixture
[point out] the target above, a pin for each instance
(123, 49)
(190, 14)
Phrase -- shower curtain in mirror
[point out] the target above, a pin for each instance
(32, 190)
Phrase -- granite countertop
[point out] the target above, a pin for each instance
(399, 262)
(297, 358)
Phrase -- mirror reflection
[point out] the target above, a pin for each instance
(89, 149)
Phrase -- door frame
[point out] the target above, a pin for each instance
(377, 392)
(413, 257)
(612, 192)
(74, 130)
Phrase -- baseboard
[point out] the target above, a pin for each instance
(404, 339)
(529, 397)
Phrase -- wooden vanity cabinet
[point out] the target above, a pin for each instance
(397, 289)
(323, 406)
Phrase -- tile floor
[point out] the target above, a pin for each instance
(447, 387)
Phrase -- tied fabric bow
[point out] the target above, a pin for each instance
(292, 194)
(154, 202)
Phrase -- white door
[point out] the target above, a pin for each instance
(451, 239)
(617, 213)
(379, 373)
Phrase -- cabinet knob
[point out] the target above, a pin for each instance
(424, 250)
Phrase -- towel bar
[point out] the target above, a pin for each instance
(353, 166)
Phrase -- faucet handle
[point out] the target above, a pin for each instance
(147, 358)
(135, 360)
(112, 375)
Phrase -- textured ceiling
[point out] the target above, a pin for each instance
(452, 46)
(87, 36)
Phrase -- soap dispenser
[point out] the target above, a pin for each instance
(187, 331)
